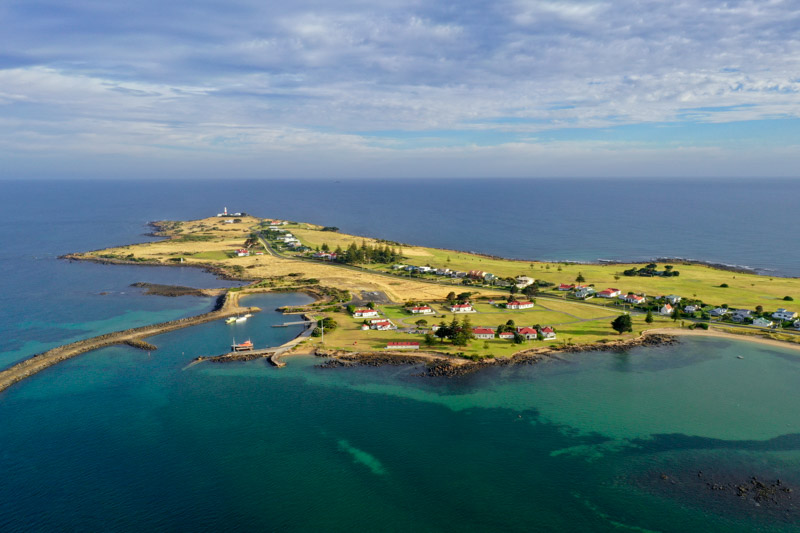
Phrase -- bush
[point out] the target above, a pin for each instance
(788, 299)
(702, 325)
(724, 286)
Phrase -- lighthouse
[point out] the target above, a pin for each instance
(225, 212)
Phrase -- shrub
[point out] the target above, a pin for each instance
(724, 285)
(788, 299)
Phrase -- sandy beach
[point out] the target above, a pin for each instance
(722, 335)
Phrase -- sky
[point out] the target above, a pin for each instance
(391, 88)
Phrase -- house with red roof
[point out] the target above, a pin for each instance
(519, 305)
(241, 252)
(565, 287)
(483, 333)
(402, 345)
(508, 335)
(421, 310)
(365, 313)
(528, 333)
(634, 299)
(462, 308)
(548, 333)
(382, 324)
(666, 310)
(609, 293)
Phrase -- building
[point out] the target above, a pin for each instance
(462, 308)
(584, 293)
(673, 299)
(364, 327)
(634, 299)
(719, 311)
(508, 335)
(609, 293)
(529, 333)
(241, 252)
(565, 287)
(797, 324)
(421, 310)
(666, 310)
(404, 345)
(691, 309)
(476, 274)
(381, 324)
(784, 315)
(548, 333)
(365, 313)
(519, 305)
(763, 322)
(524, 281)
(483, 333)
(740, 315)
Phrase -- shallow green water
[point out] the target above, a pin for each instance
(117, 440)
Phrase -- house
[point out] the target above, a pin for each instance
(529, 333)
(609, 293)
(425, 269)
(519, 305)
(489, 277)
(364, 327)
(690, 309)
(548, 333)
(565, 287)
(476, 274)
(797, 324)
(524, 281)
(325, 256)
(443, 271)
(763, 322)
(740, 315)
(398, 267)
(508, 335)
(634, 299)
(462, 308)
(483, 333)
(382, 324)
(673, 299)
(719, 311)
(784, 315)
(241, 252)
(584, 293)
(666, 310)
(421, 310)
(458, 275)
(365, 313)
(403, 345)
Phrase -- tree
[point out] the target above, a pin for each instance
(450, 296)
(371, 305)
(325, 247)
(443, 332)
(649, 317)
(430, 340)
(759, 309)
(622, 323)
(510, 323)
(514, 289)
(580, 278)
(518, 339)
(421, 323)
(676, 314)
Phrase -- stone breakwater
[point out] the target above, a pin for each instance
(227, 305)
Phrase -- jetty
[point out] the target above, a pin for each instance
(227, 305)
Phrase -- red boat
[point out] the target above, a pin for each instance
(242, 347)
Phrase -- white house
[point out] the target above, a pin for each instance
(421, 310)
(462, 308)
(565, 287)
(382, 324)
(797, 324)
(548, 333)
(508, 335)
(365, 313)
(609, 293)
(782, 314)
(524, 281)
(483, 333)
(691, 309)
(241, 252)
(634, 299)
(519, 305)
(584, 293)
(528, 332)
(403, 345)
(673, 299)
(762, 322)
(666, 310)
(719, 311)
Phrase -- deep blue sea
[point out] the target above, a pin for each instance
(122, 440)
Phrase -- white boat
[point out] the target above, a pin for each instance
(240, 319)
(248, 315)
(230, 320)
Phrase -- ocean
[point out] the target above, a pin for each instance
(122, 440)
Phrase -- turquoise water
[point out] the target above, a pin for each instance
(118, 440)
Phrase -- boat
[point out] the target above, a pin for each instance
(248, 315)
(242, 347)
(230, 320)
(241, 318)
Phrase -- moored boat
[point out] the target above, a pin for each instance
(242, 346)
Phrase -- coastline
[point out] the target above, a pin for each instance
(722, 335)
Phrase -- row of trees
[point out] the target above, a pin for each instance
(365, 253)
(459, 333)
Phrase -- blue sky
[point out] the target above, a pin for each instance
(366, 89)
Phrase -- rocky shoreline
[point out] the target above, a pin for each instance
(441, 365)
(173, 290)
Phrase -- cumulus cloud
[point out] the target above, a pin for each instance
(390, 79)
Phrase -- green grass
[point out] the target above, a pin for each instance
(215, 255)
